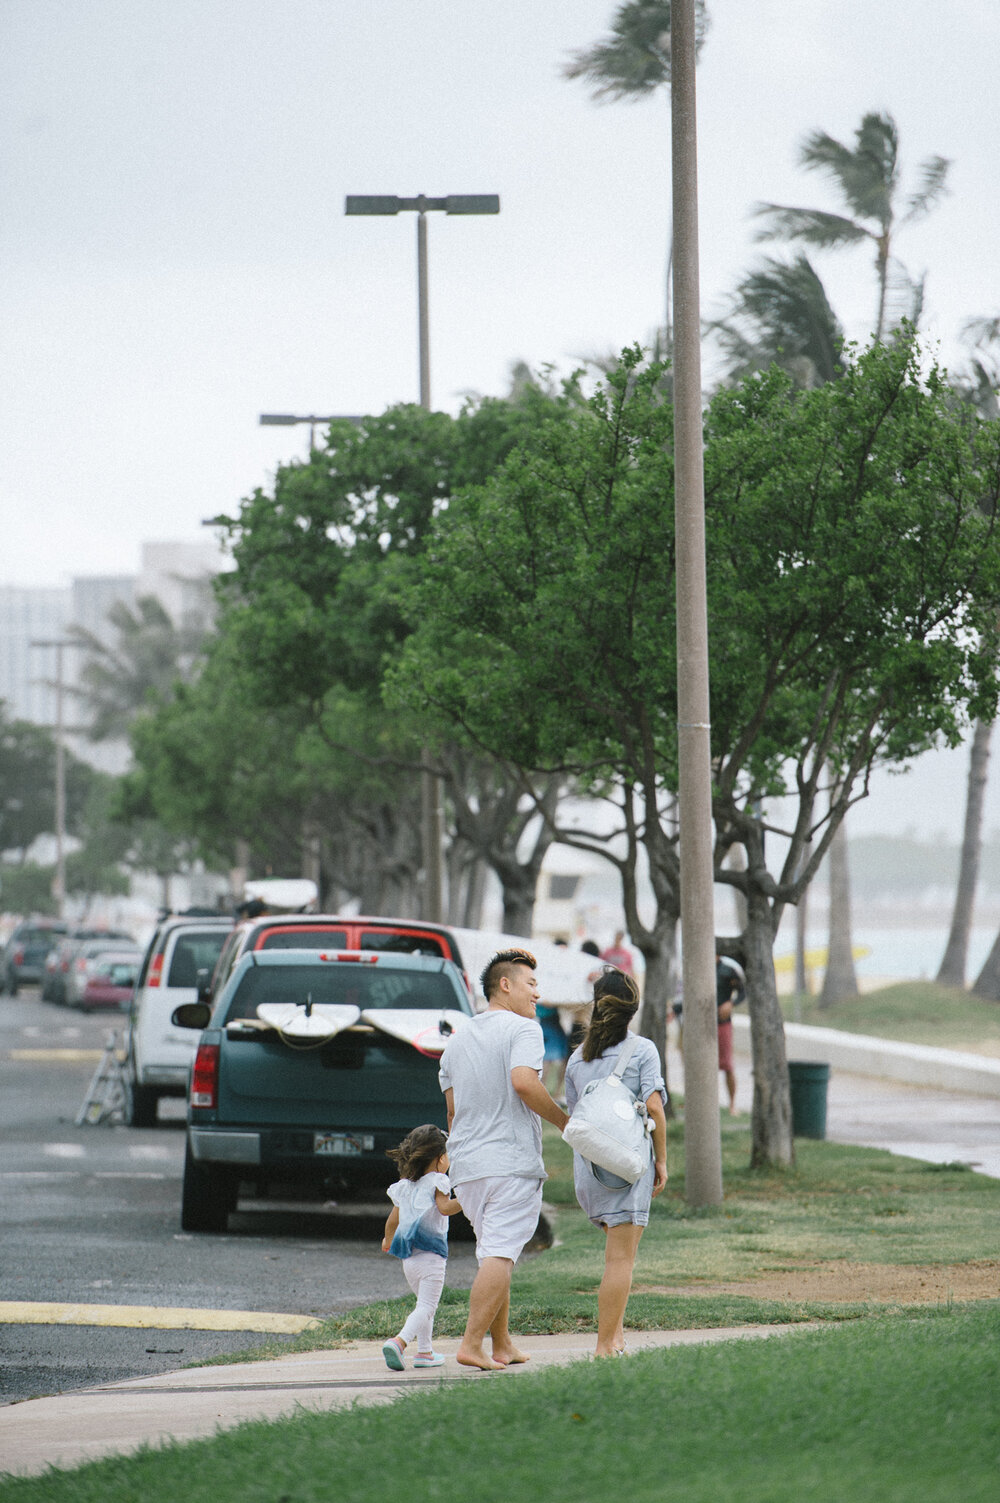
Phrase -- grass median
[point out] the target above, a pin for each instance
(911, 1012)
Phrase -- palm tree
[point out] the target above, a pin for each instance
(867, 176)
(976, 385)
(631, 63)
(149, 655)
(780, 315)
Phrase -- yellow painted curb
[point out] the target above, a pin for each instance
(142, 1317)
(61, 1056)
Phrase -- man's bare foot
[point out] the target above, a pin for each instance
(509, 1356)
(476, 1357)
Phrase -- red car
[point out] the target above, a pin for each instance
(107, 980)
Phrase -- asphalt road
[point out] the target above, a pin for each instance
(91, 1215)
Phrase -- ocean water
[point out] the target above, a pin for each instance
(898, 953)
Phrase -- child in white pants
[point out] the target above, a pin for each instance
(417, 1232)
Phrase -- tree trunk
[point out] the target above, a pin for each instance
(771, 1125)
(737, 862)
(475, 893)
(952, 972)
(987, 983)
(519, 901)
(658, 987)
(840, 981)
(802, 986)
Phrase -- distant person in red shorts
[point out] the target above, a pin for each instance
(729, 993)
(618, 956)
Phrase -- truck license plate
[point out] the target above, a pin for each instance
(340, 1145)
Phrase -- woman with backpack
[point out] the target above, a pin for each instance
(620, 1209)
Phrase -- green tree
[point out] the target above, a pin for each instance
(867, 177)
(853, 579)
(298, 746)
(28, 782)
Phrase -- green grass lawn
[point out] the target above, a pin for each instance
(914, 1012)
(839, 1203)
(888, 1410)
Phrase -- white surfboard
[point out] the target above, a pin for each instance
(324, 1020)
(419, 1027)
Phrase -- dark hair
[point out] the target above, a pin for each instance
(502, 964)
(418, 1151)
(589, 948)
(616, 1001)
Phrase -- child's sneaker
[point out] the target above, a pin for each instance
(393, 1354)
(426, 1359)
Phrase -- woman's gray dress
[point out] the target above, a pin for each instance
(605, 1198)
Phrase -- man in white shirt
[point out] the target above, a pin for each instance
(491, 1077)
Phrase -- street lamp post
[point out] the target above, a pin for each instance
(455, 203)
(432, 816)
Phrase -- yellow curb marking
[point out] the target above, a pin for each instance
(142, 1317)
(63, 1056)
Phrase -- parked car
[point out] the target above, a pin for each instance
(158, 1054)
(25, 952)
(102, 974)
(59, 962)
(293, 931)
(312, 1064)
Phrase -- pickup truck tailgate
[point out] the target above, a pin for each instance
(362, 1078)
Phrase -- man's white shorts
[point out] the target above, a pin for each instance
(504, 1211)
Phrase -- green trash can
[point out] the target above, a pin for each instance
(808, 1084)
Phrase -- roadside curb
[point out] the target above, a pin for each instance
(862, 1054)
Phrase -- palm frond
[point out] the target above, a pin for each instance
(981, 332)
(933, 186)
(867, 174)
(814, 226)
(634, 59)
(904, 297)
(780, 314)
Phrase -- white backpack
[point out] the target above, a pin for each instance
(610, 1127)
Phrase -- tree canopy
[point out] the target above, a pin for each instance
(853, 579)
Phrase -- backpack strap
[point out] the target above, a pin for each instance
(631, 1045)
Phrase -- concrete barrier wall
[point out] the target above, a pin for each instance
(860, 1054)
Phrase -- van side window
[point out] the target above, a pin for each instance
(194, 952)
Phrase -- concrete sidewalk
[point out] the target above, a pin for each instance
(118, 1418)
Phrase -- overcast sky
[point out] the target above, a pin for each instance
(176, 260)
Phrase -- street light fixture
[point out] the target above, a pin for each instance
(289, 420)
(432, 820)
(455, 203)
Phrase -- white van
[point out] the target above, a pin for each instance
(159, 1056)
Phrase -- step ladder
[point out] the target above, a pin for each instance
(107, 1095)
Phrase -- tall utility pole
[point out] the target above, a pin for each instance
(702, 1141)
(431, 810)
(58, 730)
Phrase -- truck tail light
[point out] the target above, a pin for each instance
(155, 970)
(205, 1076)
(354, 955)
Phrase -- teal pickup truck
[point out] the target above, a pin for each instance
(310, 1065)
